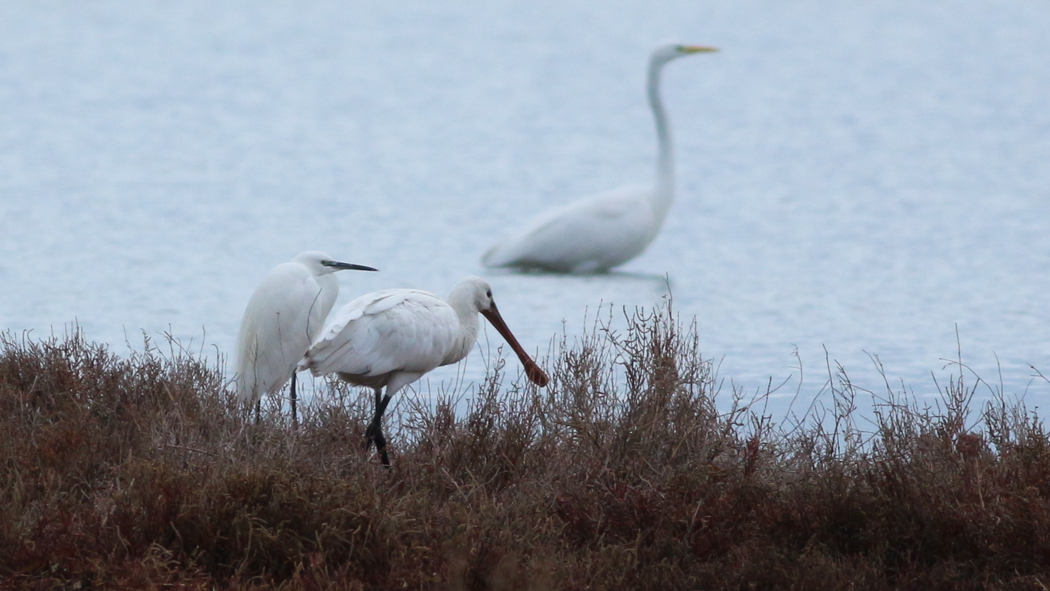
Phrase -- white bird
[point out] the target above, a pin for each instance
(283, 317)
(608, 229)
(391, 338)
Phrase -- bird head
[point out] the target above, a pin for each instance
(480, 293)
(476, 291)
(321, 264)
(670, 51)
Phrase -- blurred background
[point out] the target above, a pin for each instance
(855, 179)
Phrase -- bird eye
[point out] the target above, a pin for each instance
(488, 293)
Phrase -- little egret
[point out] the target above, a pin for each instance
(391, 338)
(282, 319)
(606, 230)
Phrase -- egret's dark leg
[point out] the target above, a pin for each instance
(295, 419)
(374, 433)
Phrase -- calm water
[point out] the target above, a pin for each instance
(861, 178)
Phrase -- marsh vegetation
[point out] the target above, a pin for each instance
(627, 472)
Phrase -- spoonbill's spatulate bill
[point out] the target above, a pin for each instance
(391, 338)
(283, 317)
(608, 229)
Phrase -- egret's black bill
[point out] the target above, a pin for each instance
(347, 266)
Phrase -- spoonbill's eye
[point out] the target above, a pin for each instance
(488, 293)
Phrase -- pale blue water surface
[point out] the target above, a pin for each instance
(865, 178)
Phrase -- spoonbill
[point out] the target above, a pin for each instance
(284, 315)
(600, 232)
(391, 338)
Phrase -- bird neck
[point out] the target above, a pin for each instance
(322, 305)
(664, 191)
(462, 304)
(468, 335)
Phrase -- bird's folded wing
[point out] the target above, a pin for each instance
(582, 229)
(395, 330)
(276, 331)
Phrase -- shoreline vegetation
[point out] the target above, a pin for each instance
(142, 472)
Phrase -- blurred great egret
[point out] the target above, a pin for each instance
(283, 317)
(608, 229)
(391, 338)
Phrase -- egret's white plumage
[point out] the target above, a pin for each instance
(284, 315)
(391, 338)
(605, 230)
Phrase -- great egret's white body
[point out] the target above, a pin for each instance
(285, 315)
(391, 338)
(606, 230)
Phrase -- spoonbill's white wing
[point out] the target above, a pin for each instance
(392, 330)
(589, 235)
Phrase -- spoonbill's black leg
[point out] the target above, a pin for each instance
(374, 433)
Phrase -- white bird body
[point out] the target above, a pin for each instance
(283, 317)
(391, 338)
(306, 301)
(608, 229)
(586, 236)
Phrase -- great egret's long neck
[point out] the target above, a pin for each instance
(664, 193)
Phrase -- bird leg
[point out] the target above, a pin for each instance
(295, 419)
(374, 433)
